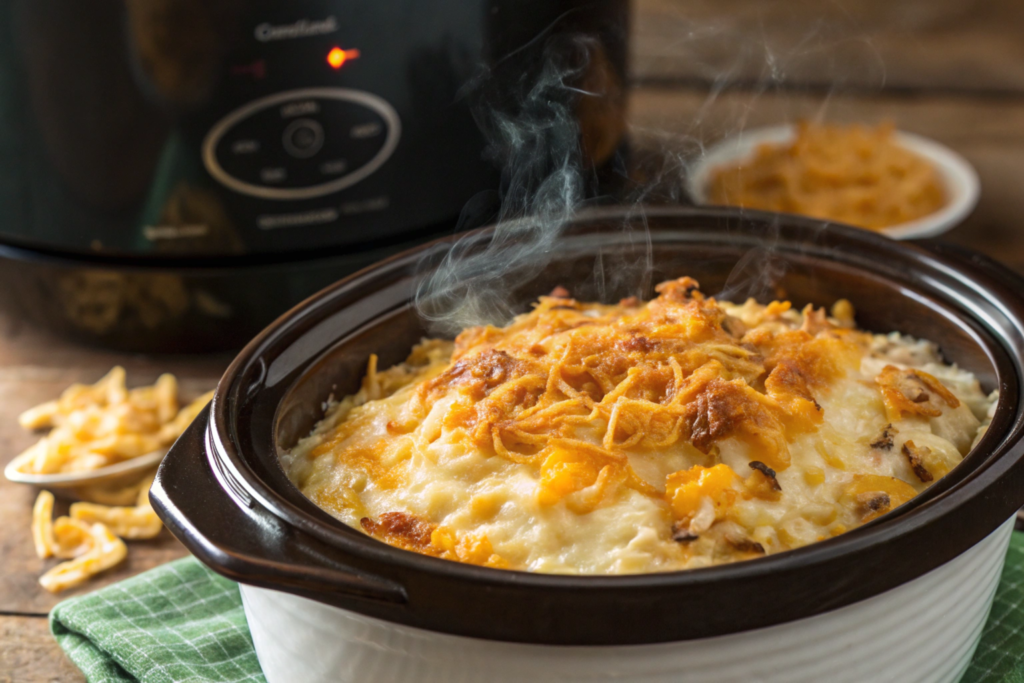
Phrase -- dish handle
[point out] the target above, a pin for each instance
(247, 543)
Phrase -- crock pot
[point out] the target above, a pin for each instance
(152, 149)
(902, 598)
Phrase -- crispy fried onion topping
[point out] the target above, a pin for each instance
(913, 392)
(598, 381)
(573, 389)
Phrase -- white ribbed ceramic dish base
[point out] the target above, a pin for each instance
(923, 631)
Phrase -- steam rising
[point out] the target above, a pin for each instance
(535, 134)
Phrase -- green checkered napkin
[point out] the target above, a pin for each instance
(178, 622)
(182, 622)
(1000, 654)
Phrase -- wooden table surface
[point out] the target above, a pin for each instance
(952, 70)
(35, 368)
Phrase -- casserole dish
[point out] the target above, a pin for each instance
(902, 598)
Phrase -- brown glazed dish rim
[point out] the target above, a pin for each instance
(212, 497)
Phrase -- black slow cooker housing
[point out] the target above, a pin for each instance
(150, 151)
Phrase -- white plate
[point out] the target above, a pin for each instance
(958, 176)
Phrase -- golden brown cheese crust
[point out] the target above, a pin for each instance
(573, 396)
(651, 376)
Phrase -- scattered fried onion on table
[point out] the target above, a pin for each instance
(91, 548)
(94, 426)
(105, 423)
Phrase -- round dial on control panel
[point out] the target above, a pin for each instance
(302, 144)
(303, 138)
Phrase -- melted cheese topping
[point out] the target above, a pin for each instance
(678, 433)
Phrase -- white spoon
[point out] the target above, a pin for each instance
(102, 475)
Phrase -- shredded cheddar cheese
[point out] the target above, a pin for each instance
(677, 433)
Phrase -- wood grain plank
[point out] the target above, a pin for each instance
(34, 368)
(681, 123)
(29, 654)
(969, 45)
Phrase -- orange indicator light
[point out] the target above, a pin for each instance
(337, 57)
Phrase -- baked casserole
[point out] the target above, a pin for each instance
(677, 433)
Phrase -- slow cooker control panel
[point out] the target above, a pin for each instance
(302, 144)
